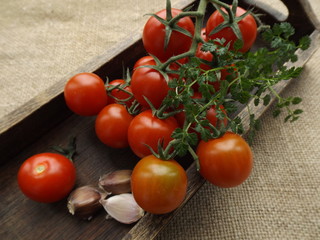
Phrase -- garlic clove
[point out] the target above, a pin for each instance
(116, 182)
(123, 208)
(84, 201)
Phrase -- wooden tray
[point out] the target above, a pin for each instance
(45, 121)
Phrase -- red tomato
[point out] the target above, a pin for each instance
(46, 177)
(119, 94)
(154, 35)
(158, 186)
(248, 29)
(145, 60)
(181, 116)
(112, 125)
(203, 34)
(226, 161)
(205, 56)
(212, 116)
(85, 94)
(149, 83)
(146, 129)
(208, 57)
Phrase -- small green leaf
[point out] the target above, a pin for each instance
(296, 100)
(305, 42)
(297, 111)
(266, 99)
(287, 29)
(256, 101)
(287, 118)
(276, 112)
(238, 44)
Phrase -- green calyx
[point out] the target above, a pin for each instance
(230, 18)
(68, 151)
(170, 24)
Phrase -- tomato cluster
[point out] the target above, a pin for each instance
(127, 111)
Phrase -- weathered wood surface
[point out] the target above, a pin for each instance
(46, 121)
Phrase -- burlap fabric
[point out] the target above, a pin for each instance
(42, 41)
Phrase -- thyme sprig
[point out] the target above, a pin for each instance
(251, 75)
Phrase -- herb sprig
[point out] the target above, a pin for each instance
(251, 75)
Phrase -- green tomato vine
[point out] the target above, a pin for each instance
(251, 75)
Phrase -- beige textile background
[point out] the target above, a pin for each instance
(42, 41)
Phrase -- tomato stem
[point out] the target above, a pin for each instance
(195, 157)
(199, 15)
(69, 151)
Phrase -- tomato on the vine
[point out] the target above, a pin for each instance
(247, 26)
(47, 177)
(85, 94)
(225, 161)
(158, 186)
(112, 125)
(211, 115)
(118, 95)
(147, 130)
(151, 84)
(153, 36)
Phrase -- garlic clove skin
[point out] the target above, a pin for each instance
(123, 208)
(84, 202)
(116, 182)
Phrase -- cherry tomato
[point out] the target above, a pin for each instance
(212, 116)
(203, 34)
(145, 60)
(146, 129)
(226, 161)
(47, 177)
(153, 36)
(181, 116)
(112, 125)
(247, 26)
(149, 83)
(158, 186)
(205, 56)
(119, 94)
(85, 94)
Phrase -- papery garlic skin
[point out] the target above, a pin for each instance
(123, 208)
(116, 182)
(84, 201)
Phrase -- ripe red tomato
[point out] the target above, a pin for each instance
(226, 161)
(154, 35)
(46, 177)
(211, 113)
(119, 94)
(112, 125)
(203, 34)
(149, 83)
(158, 186)
(212, 116)
(205, 56)
(85, 94)
(145, 60)
(146, 129)
(247, 26)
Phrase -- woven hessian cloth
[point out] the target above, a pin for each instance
(42, 41)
